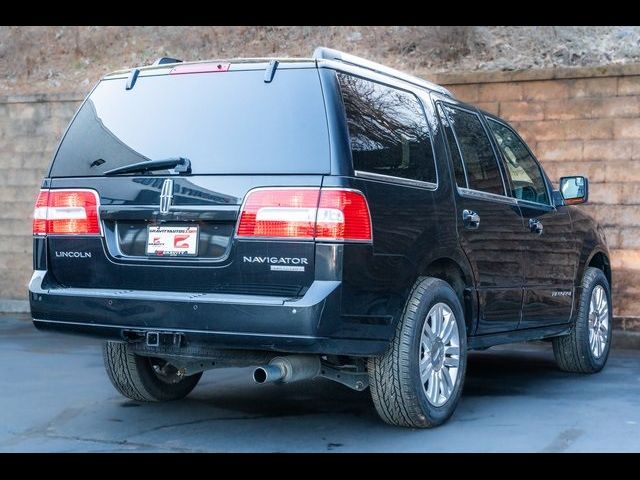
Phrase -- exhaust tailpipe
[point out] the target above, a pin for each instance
(268, 374)
(291, 368)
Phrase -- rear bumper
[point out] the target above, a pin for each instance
(311, 324)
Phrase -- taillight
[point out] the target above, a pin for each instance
(279, 212)
(343, 215)
(66, 212)
(40, 213)
(305, 213)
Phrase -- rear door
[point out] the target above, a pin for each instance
(167, 231)
(550, 262)
(490, 224)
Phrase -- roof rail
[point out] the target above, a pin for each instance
(324, 53)
(163, 60)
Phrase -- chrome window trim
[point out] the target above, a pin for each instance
(469, 192)
(397, 180)
(535, 204)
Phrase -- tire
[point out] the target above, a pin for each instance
(573, 352)
(395, 377)
(135, 377)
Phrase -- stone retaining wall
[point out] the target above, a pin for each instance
(577, 121)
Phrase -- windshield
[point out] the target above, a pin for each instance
(224, 123)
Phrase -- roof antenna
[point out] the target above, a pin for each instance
(270, 71)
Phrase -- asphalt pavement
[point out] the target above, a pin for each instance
(55, 396)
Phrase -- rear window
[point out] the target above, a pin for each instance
(225, 123)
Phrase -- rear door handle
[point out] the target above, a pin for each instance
(470, 219)
(535, 226)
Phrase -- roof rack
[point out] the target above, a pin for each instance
(324, 53)
(163, 60)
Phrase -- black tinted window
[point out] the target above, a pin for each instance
(225, 123)
(479, 160)
(526, 177)
(458, 169)
(388, 130)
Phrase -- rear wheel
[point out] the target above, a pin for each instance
(418, 382)
(146, 379)
(586, 348)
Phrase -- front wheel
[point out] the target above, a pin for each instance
(586, 348)
(146, 379)
(418, 382)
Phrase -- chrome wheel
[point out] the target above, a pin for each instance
(439, 354)
(598, 321)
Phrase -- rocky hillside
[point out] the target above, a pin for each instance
(71, 59)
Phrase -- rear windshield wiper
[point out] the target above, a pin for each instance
(179, 165)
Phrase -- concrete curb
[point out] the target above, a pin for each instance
(14, 306)
(623, 339)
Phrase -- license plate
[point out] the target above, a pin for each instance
(172, 241)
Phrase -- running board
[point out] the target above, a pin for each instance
(517, 336)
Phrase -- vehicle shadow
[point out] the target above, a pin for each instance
(494, 372)
(514, 370)
(228, 412)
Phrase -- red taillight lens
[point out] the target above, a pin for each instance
(343, 215)
(279, 212)
(66, 212)
(40, 213)
(305, 213)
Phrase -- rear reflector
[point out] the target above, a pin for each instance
(66, 212)
(305, 213)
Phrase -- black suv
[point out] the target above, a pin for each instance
(317, 217)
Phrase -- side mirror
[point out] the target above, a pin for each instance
(574, 190)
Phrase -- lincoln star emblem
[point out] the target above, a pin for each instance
(166, 195)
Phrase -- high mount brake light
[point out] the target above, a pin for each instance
(66, 212)
(335, 214)
(200, 68)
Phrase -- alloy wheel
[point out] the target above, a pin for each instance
(439, 354)
(598, 321)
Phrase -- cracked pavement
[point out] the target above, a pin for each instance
(55, 396)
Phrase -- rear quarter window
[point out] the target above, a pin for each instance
(387, 129)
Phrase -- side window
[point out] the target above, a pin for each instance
(480, 163)
(458, 168)
(388, 130)
(526, 177)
